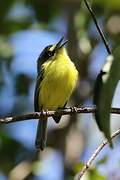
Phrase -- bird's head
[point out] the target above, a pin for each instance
(51, 51)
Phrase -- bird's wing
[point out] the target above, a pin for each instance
(41, 135)
(37, 89)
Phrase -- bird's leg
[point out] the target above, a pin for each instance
(73, 109)
(47, 112)
(44, 112)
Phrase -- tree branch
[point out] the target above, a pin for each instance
(66, 111)
(96, 152)
(98, 28)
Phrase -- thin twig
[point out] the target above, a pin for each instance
(98, 28)
(96, 152)
(66, 111)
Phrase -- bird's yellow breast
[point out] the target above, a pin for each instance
(59, 80)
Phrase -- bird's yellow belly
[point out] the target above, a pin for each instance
(57, 85)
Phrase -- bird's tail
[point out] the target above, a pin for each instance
(41, 136)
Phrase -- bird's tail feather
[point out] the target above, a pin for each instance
(41, 136)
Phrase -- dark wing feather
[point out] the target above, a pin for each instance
(41, 135)
(40, 71)
(37, 89)
(36, 94)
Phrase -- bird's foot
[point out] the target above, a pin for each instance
(73, 109)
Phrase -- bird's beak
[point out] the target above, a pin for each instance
(60, 44)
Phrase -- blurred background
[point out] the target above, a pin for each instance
(26, 27)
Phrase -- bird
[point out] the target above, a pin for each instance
(56, 79)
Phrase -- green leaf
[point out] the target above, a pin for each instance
(92, 174)
(5, 48)
(77, 167)
(109, 4)
(102, 161)
(36, 167)
(105, 86)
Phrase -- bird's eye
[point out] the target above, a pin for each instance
(50, 53)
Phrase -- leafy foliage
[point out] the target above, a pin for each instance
(105, 86)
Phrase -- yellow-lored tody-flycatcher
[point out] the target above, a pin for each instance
(56, 79)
